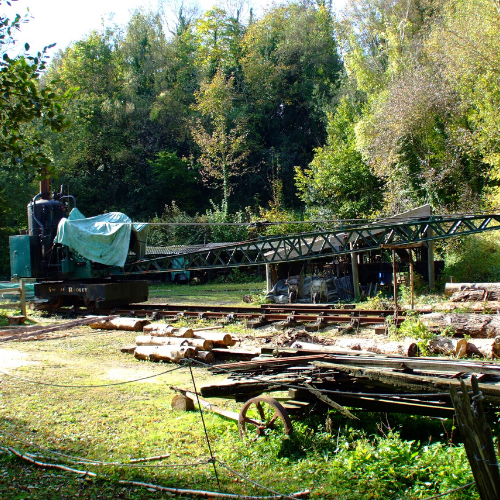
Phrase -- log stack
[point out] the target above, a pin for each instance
(161, 342)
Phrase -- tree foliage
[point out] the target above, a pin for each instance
(23, 102)
(390, 105)
(338, 182)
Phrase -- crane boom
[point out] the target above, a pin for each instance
(321, 244)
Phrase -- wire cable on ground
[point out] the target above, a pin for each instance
(39, 382)
(451, 491)
(89, 461)
(255, 483)
(179, 491)
(83, 461)
(204, 426)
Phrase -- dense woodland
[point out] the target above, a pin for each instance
(300, 113)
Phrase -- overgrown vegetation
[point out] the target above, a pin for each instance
(390, 457)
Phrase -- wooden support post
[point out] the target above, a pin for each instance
(395, 285)
(478, 439)
(269, 278)
(412, 281)
(355, 273)
(23, 297)
(430, 257)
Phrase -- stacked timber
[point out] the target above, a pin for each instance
(379, 383)
(161, 342)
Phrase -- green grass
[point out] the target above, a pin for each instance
(209, 294)
(136, 420)
(379, 456)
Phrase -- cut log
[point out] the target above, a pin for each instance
(128, 349)
(377, 346)
(182, 403)
(173, 353)
(162, 330)
(127, 324)
(488, 348)
(144, 352)
(484, 306)
(157, 329)
(460, 324)
(202, 344)
(491, 291)
(219, 339)
(447, 346)
(205, 356)
(165, 353)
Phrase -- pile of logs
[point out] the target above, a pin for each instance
(162, 342)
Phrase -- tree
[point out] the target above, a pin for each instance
(414, 128)
(292, 71)
(218, 42)
(174, 181)
(22, 101)
(465, 44)
(338, 181)
(220, 134)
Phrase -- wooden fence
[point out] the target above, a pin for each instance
(21, 291)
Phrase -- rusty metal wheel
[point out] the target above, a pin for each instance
(268, 412)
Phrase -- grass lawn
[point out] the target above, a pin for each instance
(226, 294)
(379, 456)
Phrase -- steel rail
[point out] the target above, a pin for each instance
(262, 316)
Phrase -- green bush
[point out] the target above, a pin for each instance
(473, 259)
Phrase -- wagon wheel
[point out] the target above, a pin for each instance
(269, 411)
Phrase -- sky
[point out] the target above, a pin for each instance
(64, 21)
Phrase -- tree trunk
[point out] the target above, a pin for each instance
(377, 346)
(165, 353)
(147, 340)
(205, 356)
(162, 330)
(476, 291)
(475, 325)
(128, 324)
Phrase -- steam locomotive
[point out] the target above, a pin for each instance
(70, 275)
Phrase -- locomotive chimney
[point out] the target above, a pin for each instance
(45, 188)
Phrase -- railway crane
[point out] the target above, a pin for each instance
(97, 261)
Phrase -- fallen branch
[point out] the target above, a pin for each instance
(50, 466)
(149, 459)
(213, 494)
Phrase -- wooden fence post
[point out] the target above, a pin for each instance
(23, 297)
(478, 439)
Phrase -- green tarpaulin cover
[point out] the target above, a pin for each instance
(105, 238)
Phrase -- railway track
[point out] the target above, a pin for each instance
(257, 316)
